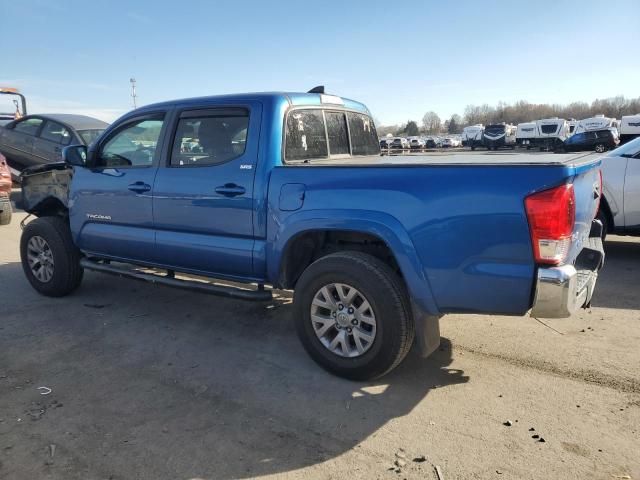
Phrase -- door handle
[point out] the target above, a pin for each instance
(230, 190)
(139, 187)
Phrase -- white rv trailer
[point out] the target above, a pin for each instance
(499, 135)
(526, 134)
(472, 136)
(599, 122)
(552, 132)
(629, 127)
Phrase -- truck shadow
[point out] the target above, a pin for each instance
(621, 268)
(174, 384)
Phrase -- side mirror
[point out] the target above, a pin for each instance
(75, 155)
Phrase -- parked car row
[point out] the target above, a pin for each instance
(419, 143)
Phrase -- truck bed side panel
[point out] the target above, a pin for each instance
(466, 223)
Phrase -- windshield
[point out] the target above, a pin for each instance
(629, 149)
(88, 136)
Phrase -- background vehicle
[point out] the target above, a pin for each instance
(13, 110)
(416, 143)
(526, 134)
(431, 142)
(472, 136)
(620, 207)
(499, 135)
(551, 133)
(629, 127)
(399, 143)
(290, 190)
(5, 192)
(38, 139)
(596, 140)
(450, 142)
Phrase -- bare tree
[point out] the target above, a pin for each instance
(431, 122)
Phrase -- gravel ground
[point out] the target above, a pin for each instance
(152, 383)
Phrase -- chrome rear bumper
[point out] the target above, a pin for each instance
(562, 290)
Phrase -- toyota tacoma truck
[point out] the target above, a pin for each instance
(289, 191)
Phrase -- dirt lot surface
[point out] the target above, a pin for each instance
(152, 383)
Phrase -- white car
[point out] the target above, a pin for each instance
(620, 203)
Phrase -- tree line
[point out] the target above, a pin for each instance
(519, 112)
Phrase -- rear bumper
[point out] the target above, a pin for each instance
(562, 290)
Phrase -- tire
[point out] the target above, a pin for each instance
(388, 299)
(600, 148)
(59, 252)
(6, 212)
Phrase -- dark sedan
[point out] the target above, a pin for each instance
(38, 139)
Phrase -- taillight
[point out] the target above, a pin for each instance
(551, 214)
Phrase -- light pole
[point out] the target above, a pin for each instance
(133, 91)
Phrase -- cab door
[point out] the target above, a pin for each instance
(111, 214)
(203, 199)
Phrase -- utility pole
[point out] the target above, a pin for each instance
(133, 91)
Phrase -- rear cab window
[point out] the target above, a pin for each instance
(321, 133)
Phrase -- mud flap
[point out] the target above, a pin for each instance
(427, 338)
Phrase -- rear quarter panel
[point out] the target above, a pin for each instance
(460, 233)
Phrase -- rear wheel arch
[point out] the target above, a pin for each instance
(304, 248)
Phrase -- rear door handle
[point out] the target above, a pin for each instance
(230, 190)
(139, 187)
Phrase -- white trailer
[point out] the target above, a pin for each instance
(599, 122)
(552, 132)
(526, 134)
(472, 136)
(629, 127)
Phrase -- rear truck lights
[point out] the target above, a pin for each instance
(551, 214)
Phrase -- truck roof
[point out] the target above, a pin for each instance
(292, 98)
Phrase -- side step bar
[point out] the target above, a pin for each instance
(259, 295)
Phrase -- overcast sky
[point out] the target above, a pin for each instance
(401, 59)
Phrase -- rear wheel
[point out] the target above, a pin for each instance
(600, 148)
(50, 260)
(352, 315)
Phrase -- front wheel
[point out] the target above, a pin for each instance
(352, 315)
(50, 260)
(600, 148)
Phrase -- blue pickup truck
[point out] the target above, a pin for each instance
(289, 191)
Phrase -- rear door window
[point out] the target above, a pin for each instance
(305, 136)
(364, 139)
(210, 137)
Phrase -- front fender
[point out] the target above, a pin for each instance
(283, 229)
